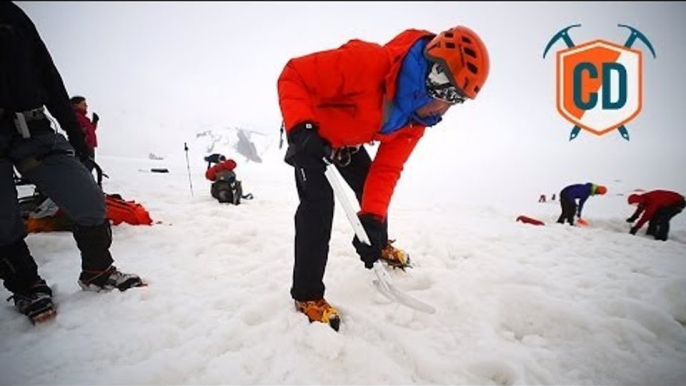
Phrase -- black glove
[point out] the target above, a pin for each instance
(633, 230)
(630, 219)
(96, 118)
(306, 148)
(375, 231)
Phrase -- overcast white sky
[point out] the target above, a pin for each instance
(158, 72)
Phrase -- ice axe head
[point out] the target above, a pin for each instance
(637, 34)
(562, 34)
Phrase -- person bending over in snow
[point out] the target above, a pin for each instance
(29, 81)
(224, 187)
(335, 101)
(658, 208)
(570, 194)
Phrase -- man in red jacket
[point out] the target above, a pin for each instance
(80, 106)
(335, 101)
(658, 208)
(225, 188)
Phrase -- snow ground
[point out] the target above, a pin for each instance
(517, 304)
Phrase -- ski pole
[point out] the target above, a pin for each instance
(188, 166)
(384, 283)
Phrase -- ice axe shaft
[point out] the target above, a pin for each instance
(635, 34)
(383, 283)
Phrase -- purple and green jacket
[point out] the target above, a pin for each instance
(579, 192)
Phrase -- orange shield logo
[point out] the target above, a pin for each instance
(599, 83)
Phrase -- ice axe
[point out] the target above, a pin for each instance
(635, 34)
(564, 35)
(383, 283)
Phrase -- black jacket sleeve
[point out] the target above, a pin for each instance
(57, 99)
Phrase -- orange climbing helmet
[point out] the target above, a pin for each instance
(463, 56)
(600, 189)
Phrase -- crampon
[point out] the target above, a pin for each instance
(319, 311)
(395, 257)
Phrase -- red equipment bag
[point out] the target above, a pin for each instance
(529, 220)
(130, 212)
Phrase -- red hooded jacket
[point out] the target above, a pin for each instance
(88, 128)
(226, 166)
(651, 201)
(344, 91)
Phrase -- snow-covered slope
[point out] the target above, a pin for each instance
(234, 142)
(517, 304)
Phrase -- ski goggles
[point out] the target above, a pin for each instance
(439, 87)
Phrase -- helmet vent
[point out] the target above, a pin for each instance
(450, 45)
(476, 89)
(466, 40)
(472, 68)
(470, 52)
(449, 35)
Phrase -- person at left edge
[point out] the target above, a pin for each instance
(29, 83)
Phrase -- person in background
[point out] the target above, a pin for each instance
(30, 83)
(569, 196)
(658, 207)
(80, 106)
(225, 188)
(335, 101)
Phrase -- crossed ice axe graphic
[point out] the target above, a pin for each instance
(564, 35)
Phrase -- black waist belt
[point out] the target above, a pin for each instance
(21, 118)
(34, 114)
(30, 115)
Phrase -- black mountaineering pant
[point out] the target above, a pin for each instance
(659, 223)
(44, 160)
(313, 220)
(568, 210)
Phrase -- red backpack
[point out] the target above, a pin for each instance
(130, 212)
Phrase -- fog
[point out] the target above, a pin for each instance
(157, 73)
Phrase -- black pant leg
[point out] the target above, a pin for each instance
(561, 219)
(568, 211)
(355, 175)
(18, 269)
(90, 164)
(11, 221)
(667, 214)
(571, 212)
(655, 222)
(67, 182)
(313, 220)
